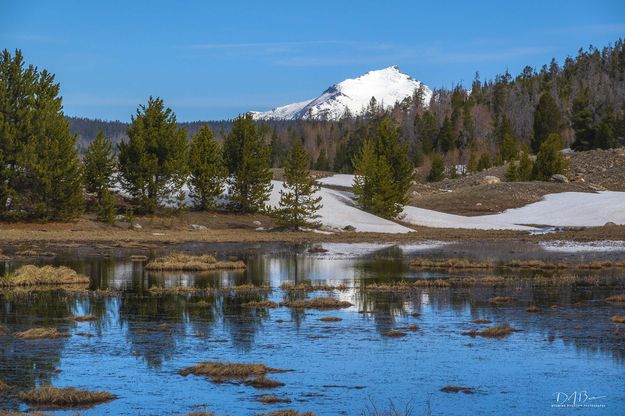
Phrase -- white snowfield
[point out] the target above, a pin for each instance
(388, 86)
(339, 179)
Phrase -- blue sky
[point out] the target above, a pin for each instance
(213, 60)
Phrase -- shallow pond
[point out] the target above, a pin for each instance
(141, 339)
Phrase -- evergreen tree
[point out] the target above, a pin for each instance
(605, 134)
(437, 170)
(99, 165)
(507, 142)
(446, 136)
(549, 160)
(247, 158)
(323, 163)
(298, 204)
(152, 162)
(374, 189)
(547, 120)
(582, 121)
(472, 163)
(512, 171)
(40, 173)
(428, 131)
(524, 169)
(483, 163)
(106, 207)
(206, 169)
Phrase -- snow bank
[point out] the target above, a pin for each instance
(590, 246)
(338, 180)
(339, 211)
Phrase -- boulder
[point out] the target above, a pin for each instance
(488, 180)
(349, 228)
(559, 178)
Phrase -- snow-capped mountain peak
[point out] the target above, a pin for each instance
(388, 86)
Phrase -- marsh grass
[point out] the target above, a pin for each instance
(533, 309)
(262, 382)
(85, 318)
(312, 287)
(188, 262)
(458, 389)
(271, 399)
(618, 319)
(463, 263)
(451, 263)
(482, 321)
(394, 333)
(53, 397)
(411, 327)
(406, 286)
(200, 414)
(220, 372)
(316, 303)
(247, 289)
(501, 300)
(258, 304)
(492, 332)
(4, 386)
(4, 331)
(41, 333)
(31, 275)
(616, 298)
(286, 413)
(330, 319)
(371, 409)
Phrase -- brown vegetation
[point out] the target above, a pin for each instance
(616, 298)
(4, 386)
(86, 318)
(394, 333)
(53, 397)
(501, 300)
(330, 319)
(316, 303)
(492, 332)
(262, 382)
(286, 413)
(188, 262)
(618, 319)
(482, 321)
(260, 304)
(310, 287)
(270, 399)
(41, 333)
(31, 275)
(533, 309)
(451, 263)
(4, 331)
(458, 389)
(223, 371)
(405, 286)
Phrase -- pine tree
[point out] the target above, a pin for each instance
(507, 142)
(428, 131)
(298, 204)
(247, 158)
(207, 172)
(323, 163)
(374, 189)
(483, 163)
(549, 160)
(472, 163)
(40, 174)
(446, 136)
(605, 134)
(547, 120)
(582, 121)
(437, 170)
(524, 170)
(512, 172)
(99, 165)
(106, 207)
(153, 162)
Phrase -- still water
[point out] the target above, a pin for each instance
(338, 368)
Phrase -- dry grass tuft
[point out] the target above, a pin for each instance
(86, 318)
(34, 253)
(248, 289)
(501, 300)
(394, 333)
(330, 319)
(406, 286)
(411, 327)
(4, 386)
(260, 304)
(616, 298)
(220, 372)
(270, 399)
(188, 262)
(451, 263)
(12, 413)
(263, 382)
(200, 414)
(53, 397)
(31, 275)
(482, 321)
(492, 332)
(533, 309)
(286, 413)
(317, 303)
(619, 319)
(458, 389)
(4, 331)
(41, 333)
(309, 287)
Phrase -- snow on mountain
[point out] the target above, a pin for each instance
(388, 86)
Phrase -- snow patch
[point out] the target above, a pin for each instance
(590, 246)
(338, 180)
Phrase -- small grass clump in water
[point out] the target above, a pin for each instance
(451, 263)
(533, 309)
(492, 332)
(4, 386)
(270, 399)
(616, 298)
(286, 413)
(309, 287)
(500, 300)
(618, 319)
(394, 333)
(220, 372)
(262, 382)
(188, 262)
(406, 286)
(31, 275)
(53, 397)
(4, 331)
(330, 319)
(458, 389)
(482, 321)
(260, 304)
(85, 318)
(316, 303)
(41, 333)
